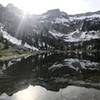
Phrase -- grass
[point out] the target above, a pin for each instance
(6, 54)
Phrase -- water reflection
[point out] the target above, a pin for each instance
(40, 93)
(52, 71)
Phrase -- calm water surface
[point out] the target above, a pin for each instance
(51, 77)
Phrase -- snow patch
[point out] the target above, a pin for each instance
(61, 20)
(84, 17)
(14, 40)
(30, 47)
(56, 34)
(11, 38)
(77, 36)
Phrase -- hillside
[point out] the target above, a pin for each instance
(51, 30)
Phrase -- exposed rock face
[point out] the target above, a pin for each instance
(52, 30)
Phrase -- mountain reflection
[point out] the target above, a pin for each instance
(40, 93)
(51, 71)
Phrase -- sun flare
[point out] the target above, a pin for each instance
(26, 7)
(32, 6)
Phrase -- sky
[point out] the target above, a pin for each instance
(68, 6)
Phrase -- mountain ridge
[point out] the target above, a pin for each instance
(51, 30)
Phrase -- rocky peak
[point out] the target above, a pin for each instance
(10, 5)
(55, 13)
(12, 9)
(1, 6)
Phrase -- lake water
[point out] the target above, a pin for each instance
(51, 77)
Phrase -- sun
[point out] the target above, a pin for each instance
(27, 7)
(30, 6)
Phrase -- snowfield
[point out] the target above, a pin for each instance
(15, 41)
(84, 17)
(76, 36)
